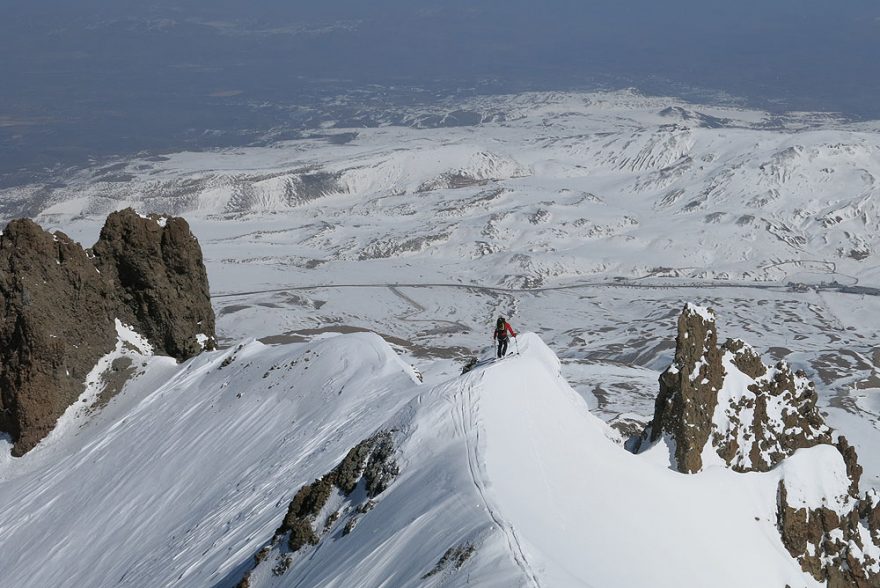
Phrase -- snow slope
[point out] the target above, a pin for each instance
(587, 513)
(184, 474)
(181, 484)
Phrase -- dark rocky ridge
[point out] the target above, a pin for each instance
(840, 549)
(689, 405)
(369, 465)
(60, 303)
(753, 430)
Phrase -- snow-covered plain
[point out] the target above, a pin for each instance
(588, 219)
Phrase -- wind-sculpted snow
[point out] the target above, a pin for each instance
(183, 476)
(502, 478)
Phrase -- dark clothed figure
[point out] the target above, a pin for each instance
(501, 335)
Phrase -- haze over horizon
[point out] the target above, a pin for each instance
(95, 78)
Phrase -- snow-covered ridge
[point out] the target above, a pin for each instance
(506, 466)
(196, 460)
(505, 478)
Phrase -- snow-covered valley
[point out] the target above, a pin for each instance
(589, 221)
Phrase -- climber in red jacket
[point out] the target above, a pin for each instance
(502, 328)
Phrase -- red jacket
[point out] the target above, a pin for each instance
(502, 333)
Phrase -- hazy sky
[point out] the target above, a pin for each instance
(818, 51)
(140, 71)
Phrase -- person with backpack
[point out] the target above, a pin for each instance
(502, 329)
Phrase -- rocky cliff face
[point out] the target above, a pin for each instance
(162, 285)
(724, 406)
(689, 389)
(57, 321)
(724, 401)
(60, 303)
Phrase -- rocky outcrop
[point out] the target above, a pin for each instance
(57, 321)
(689, 389)
(724, 405)
(343, 496)
(370, 461)
(758, 426)
(724, 399)
(835, 538)
(60, 304)
(454, 558)
(162, 285)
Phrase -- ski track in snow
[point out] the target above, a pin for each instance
(467, 423)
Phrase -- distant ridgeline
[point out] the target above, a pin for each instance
(722, 406)
(62, 305)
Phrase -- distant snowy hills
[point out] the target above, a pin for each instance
(352, 276)
(571, 185)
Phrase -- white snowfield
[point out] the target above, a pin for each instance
(182, 478)
(556, 188)
(587, 218)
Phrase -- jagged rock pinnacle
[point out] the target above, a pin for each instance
(689, 388)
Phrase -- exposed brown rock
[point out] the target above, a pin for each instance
(689, 390)
(829, 547)
(767, 441)
(381, 469)
(59, 304)
(744, 358)
(162, 283)
(752, 429)
(370, 465)
(851, 459)
(370, 460)
(871, 506)
(57, 321)
(454, 558)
